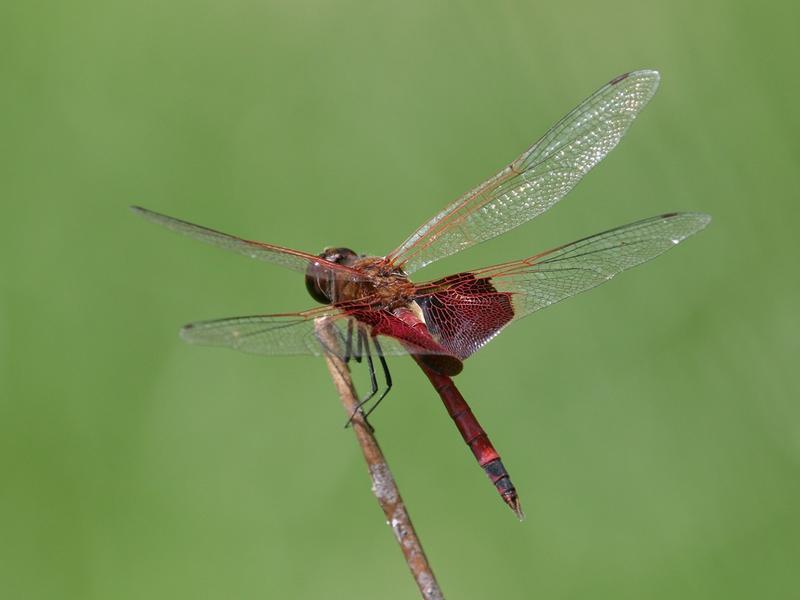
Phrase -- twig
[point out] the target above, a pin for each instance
(383, 484)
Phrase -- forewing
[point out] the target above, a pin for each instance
(536, 180)
(464, 311)
(285, 257)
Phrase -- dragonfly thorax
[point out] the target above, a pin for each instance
(376, 281)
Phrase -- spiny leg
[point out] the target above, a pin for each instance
(348, 345)
(386, 375)
(363, 342)
(361, 337)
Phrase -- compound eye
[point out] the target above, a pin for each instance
(314, 285)
(340, 256)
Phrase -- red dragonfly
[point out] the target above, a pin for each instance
(377, 311)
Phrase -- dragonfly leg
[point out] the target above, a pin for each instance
(348, 344)
(359, 353)
(386, 374)
(363, 342)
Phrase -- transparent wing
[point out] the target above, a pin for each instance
(536, 180)
(272, 335)
(285, 257)
(463, 312)
(550, 277)
(295, 333)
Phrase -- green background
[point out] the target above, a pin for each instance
(652, 426)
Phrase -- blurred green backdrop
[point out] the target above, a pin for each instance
(651, 426)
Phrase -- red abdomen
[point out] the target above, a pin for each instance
(474, 436)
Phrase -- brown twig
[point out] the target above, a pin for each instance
(383, 484)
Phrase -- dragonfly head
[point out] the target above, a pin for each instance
(319, 280)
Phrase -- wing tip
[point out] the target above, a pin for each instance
(186, 333)
(702, 219)
(694, 222)
(148, 214)
(619, 78)
(196, 335)
(639, 74)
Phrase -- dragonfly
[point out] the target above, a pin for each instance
(376, 310)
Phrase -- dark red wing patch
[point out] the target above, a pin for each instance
(465, 312)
